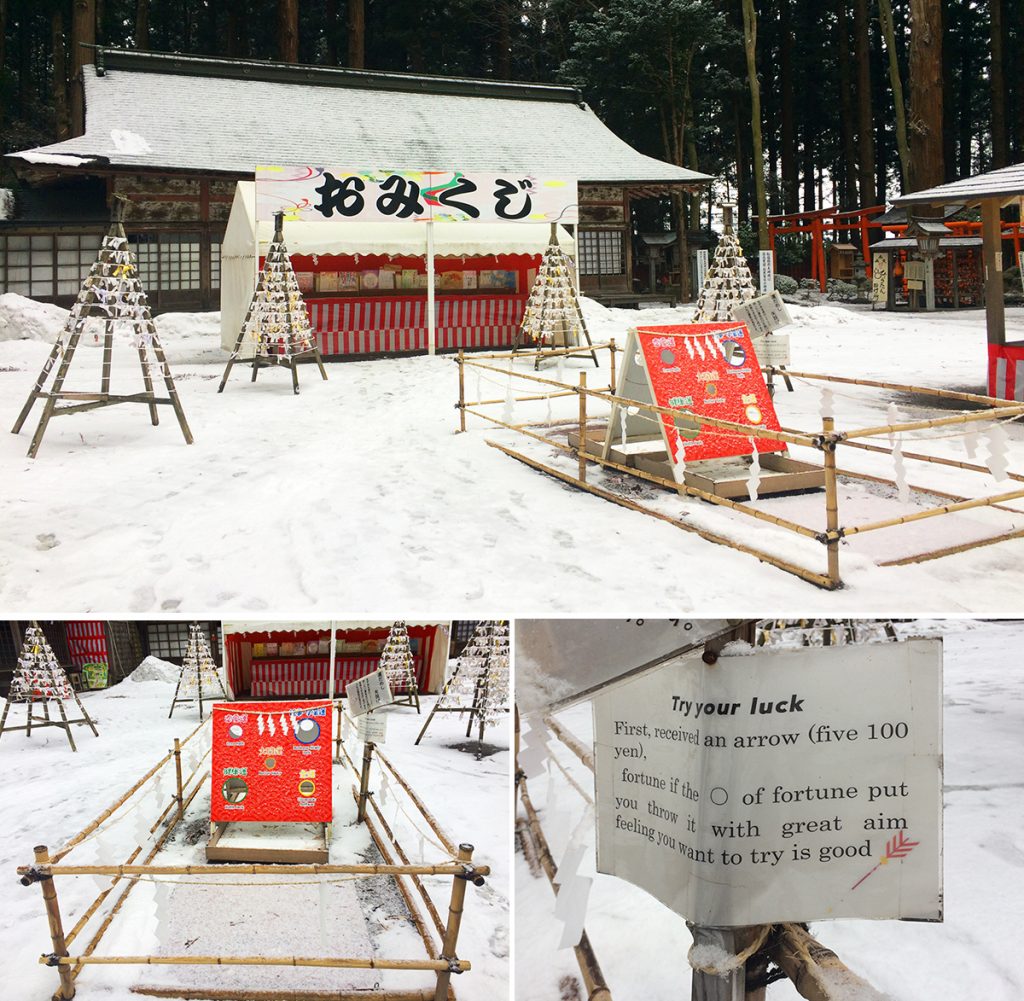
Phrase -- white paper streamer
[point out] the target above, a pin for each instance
(679, 467)
(754, 479)
(971, 443)
(996, 442)
(902, 487)
(827, 408)
(322, 913)
(162, 909)
(622, 425)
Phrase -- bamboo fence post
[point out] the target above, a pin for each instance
(462, 392)
(337, 732)
(364, 780)
(177, 769)
(817, 973)
(67, 985)
(451, 934)
(582, 443)
(828, 448)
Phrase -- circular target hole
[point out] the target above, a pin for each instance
(306, 731)
(235, 731)
(234, 790)
(668, 356)
(306, 787)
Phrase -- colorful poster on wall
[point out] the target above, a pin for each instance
(337, 194)
(708, 369)
(271, 762)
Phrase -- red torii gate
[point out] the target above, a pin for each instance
(815, 224)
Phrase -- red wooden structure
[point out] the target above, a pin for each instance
(859, 223)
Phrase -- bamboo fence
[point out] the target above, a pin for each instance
(826, 441)
(441, 957)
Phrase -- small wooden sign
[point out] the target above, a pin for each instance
(880, 278)
(914, 271)
(368, 693)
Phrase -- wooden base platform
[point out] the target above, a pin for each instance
(722, 477)
(252, 842)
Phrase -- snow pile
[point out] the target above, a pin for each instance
(60, 159)
(129, 142)
(155, 669)
(188, 326)
(24, 319)
(6, 203)
(829, 316)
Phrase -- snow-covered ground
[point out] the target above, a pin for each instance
(358, 494)
(48, 794)
(641, 945)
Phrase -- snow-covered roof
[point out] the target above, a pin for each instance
(213, 115)
(1005, 183)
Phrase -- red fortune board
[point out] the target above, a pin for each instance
(711, 370)
(271, 762)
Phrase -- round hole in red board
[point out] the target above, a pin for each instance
(668, 356)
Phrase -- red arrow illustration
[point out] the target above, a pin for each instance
(897, 847)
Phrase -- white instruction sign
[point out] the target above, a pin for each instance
(368, 693)
(772, 349)
(784, 786)
(766, 270)
(372, 727)
(763, 314)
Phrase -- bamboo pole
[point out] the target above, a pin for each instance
(611, 353)
(828, 449)
(428, 903)
(817, 973)
(238, 994)
(337, 963)
(531, 398)
(582, 450)
(451, 935)
(432, 823)
(60, 951)
(84, 919)
(251, 869)
(590, 970)
(587, 757)
(462, 392)
(963, 547)
(945, 394)
(177, 770)
(95, 940)
(965, 417)
(743, 430)
(89, 828)
(364, 780)
(819, 580)
(934, 512)
(505, 356)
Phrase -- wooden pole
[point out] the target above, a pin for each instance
(431, 323)
(443, 967)
(364, 779)
(177, 769)
(462, 392)
(241, 994)
(254, 869)
(611, 354)
(582, 444)
(67, 986)
(828, 449)
(451, 935)
(817, 973)
(992, 252)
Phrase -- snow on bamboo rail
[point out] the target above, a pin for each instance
(826, 441)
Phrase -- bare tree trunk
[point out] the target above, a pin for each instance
(61, 114)
(808, 165)
(742, 172)
(899, 108)
(3, 52)
(848, 198)
(83, 34)
(865, 137)
(925, 74)
(503, 42)
(997, 80)
(757, 157)
(238, 38)
(356, 34)
(142, 24)
(288, 30)
(331, 31)
(790, 168)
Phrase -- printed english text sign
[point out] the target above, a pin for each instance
(710, 369)
(339, 194)
(271, 762)
(784, 786)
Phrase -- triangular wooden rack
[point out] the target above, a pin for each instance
(198, 651)
(276, 318)
(112, 293)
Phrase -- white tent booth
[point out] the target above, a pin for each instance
(408, 286)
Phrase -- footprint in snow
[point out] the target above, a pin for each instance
(46, 540)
